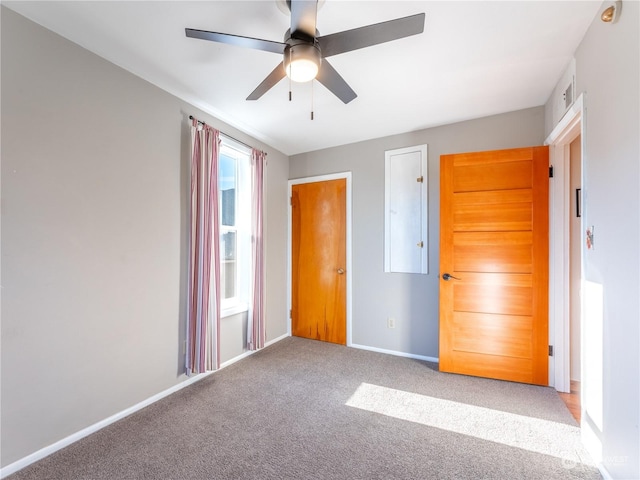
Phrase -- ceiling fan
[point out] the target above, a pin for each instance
(305, 53)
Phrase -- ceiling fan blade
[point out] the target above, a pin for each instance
(248, 42)
(335, 83)
(341, 42)
(274, 77)
(303, 18)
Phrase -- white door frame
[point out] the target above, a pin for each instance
(323, 178)
(567, 130)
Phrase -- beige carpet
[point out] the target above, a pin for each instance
(302, 409)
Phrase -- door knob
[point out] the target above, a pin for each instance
(447, 276)
(340, 271)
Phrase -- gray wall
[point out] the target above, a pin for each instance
(94, 202)
(94, 181)
(607, 72)
(411, 299)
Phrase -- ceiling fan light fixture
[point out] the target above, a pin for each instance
(302, 62)
(302, 70)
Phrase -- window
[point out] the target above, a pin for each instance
(235, 226)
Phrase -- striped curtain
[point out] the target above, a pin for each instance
(203, 294)
(256, 320)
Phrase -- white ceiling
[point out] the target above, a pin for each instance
(474, 59)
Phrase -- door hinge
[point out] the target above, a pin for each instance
(290, 200)
(420, 179)
(551, 171)
(290, 314)
(551, 350)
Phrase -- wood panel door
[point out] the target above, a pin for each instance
(318, 261)
(494, 264)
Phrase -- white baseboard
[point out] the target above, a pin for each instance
(250, 352)
(237, 359)
(60, 444)
(65, 442)
(275, 340)
(397, 354)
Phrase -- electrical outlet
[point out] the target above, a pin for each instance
(391, 322)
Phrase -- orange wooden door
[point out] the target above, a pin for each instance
(494, 242)
(318, 261)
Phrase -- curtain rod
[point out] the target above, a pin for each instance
(191, 117)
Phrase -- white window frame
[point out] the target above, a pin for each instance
(242, 154)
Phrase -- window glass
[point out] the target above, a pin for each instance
(228, 267)
(235, 223)
(228, 185)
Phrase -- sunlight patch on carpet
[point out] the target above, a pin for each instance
(519, 431)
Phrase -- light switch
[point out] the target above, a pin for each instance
(590, 239)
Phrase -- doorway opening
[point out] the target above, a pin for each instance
(572, 399)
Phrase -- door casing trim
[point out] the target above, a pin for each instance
(567, 130)
(323, 178)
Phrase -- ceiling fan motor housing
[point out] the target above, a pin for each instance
(302, 59)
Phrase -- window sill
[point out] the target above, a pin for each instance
(234, 309)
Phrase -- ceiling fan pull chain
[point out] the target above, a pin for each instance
(289, 67)
(311, 99)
